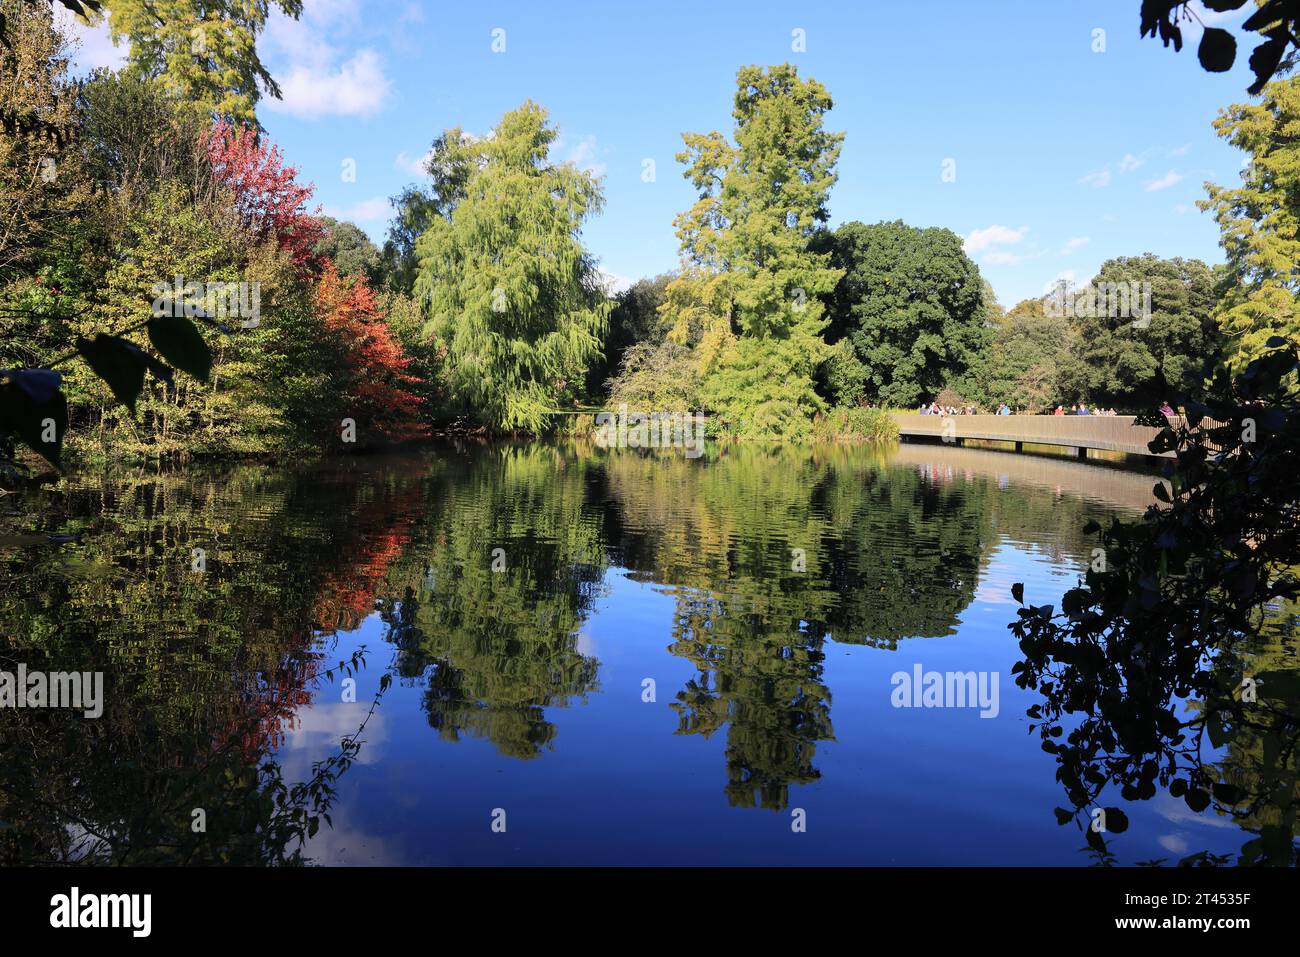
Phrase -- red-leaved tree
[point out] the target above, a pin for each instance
(379, 382)
(270, 201)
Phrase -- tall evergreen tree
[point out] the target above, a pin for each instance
(202, 52)
(1259, 222)
(748, 292)
(912, 304)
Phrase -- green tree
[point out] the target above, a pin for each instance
(201, 52)
(1259, 222)
(1156, 348)
(748, 293)
(510, 288)
(1026, 363)
(634, 320)
(350, 249)
(912, 304)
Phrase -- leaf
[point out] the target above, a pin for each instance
(30, 402)
(1116, 820)
(1228, 793)
(1197, 800)
(179, 342)
(119, 363)
(1018, 592)
(1218, 50)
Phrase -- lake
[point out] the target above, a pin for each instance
(490, 653)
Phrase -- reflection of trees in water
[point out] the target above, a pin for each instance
(761, 678)
(889, 553)
(203, 672)
(496, 648)
(1173, 668)
(206, 672)
(1257, 781)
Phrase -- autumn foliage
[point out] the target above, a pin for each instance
(379, 393)
(268, 198)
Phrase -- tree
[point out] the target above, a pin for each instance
(1025, 363)
(912, 304)
(1162, 346)
(634, 320)
(42, 180)
(203, 53)
(379, 392)
(271, 203)
(350, 249)
(509, 287)
(1259, 222)
(747, 297)
(416, 208)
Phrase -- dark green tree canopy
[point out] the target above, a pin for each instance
(351, 249)
(1138, 360)
(911, 302)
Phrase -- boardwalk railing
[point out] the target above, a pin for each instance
(1112, 433)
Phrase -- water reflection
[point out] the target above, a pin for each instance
(476, 574)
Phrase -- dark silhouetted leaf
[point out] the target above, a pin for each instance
(1218, 50)
(119, 363)
(179, 342)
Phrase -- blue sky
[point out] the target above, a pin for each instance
(1063, 156)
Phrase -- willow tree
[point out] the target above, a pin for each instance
(749, 288)
(1259, 222)
(203, 52)
(510, 289)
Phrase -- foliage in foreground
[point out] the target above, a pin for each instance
(1141, 670)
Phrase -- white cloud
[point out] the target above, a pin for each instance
(1074, 243)
(1164, 182)
(1129, 163)
(92, 47)
(367, 210)
(982, 239)
(612, 282)
(1181, 150)
(1097, 178)
(315, 77)
(356, 88)
(415, 165)
(583, 154)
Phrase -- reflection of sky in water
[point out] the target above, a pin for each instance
(619, 786)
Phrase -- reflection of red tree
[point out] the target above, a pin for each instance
(379, 390)
(345, 597)
(271, 708)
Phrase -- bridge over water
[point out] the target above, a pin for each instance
(1111, 433)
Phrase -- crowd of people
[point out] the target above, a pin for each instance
(934, 408)
(1080, 408)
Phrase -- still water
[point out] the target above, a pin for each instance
(552, 654)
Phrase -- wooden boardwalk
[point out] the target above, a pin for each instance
(1111, 433)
